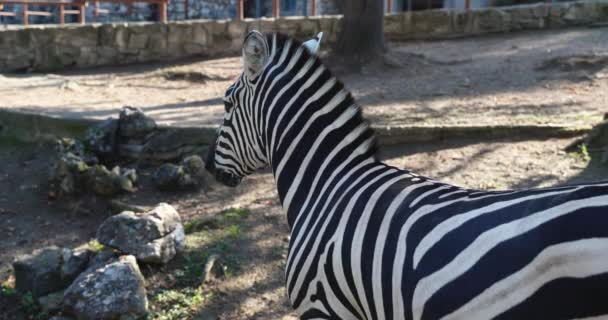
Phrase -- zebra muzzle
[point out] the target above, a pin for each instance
(227, 178)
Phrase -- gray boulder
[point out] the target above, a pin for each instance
(169, 144)
(101, 138)
(110, 182)
(74, 261)
(189, 175)
(153, 237)
(112, 291)
(133, 123)
(40, 272)
(67, 174)
(51, 303)
(49, 269)
(102, 257)
(194, 165)
(169, 177)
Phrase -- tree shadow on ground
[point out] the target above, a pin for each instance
(495, 80)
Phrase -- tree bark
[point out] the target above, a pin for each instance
(362, 35)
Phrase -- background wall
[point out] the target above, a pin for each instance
(57, 47)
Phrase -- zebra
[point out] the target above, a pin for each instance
(371, 241)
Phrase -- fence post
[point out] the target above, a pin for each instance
(313, 10)
(25, 19)
(467, 4)
(162, 11)
(61, 14)
(276, 11)
(389, 6)
(240, 14)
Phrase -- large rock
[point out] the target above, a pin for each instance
(168, 177)
(153, 237)
(112, 291)
(74, 261)
(107, 183)
(190, 174)
(67, 174)
(40, 272)
(134, 123)
(51, 303)
(101, 138)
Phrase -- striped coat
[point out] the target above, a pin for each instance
(370, 241)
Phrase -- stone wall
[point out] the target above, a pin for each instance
(57, 47)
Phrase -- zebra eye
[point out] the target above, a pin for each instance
(227, 106)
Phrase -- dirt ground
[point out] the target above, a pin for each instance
(253, 245)
(556, 77)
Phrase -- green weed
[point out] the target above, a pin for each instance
(95, 246)
(581, 153)
(7, 290)
(178, 304)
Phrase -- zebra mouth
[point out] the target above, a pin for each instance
(227, 178)
(224, 177)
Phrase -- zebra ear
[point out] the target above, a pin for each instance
(255, 53)
(314, 44)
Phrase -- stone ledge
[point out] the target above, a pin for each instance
(27, 127)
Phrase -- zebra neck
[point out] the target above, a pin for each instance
(309, 160)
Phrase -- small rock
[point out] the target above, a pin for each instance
(67, 175)
(194, 165)
(113, 291)
(70, 85)
(74, 262)
(101, 138)
(40, 272)
(51, 303)
(107, 183)
(153, 237)
(189, 175)
(168, 176)
(134, 123)
(102, 257)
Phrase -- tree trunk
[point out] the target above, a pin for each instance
(362, 36)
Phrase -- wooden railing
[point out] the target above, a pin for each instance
(62, 4)
(276, 10)
(80, 6)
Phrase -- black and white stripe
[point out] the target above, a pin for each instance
(370, 241)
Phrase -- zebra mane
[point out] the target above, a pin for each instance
(280, 40)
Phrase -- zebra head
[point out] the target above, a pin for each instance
(239, 147)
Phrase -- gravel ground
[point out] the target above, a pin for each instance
(257, 244)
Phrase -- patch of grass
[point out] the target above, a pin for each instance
(236, 214)
(177, 304)
(205, 237)
(234, 231)
(220, 220)
(11, 142)
(95, 246)
(31, 307)
(7, 290)
(582, 153)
